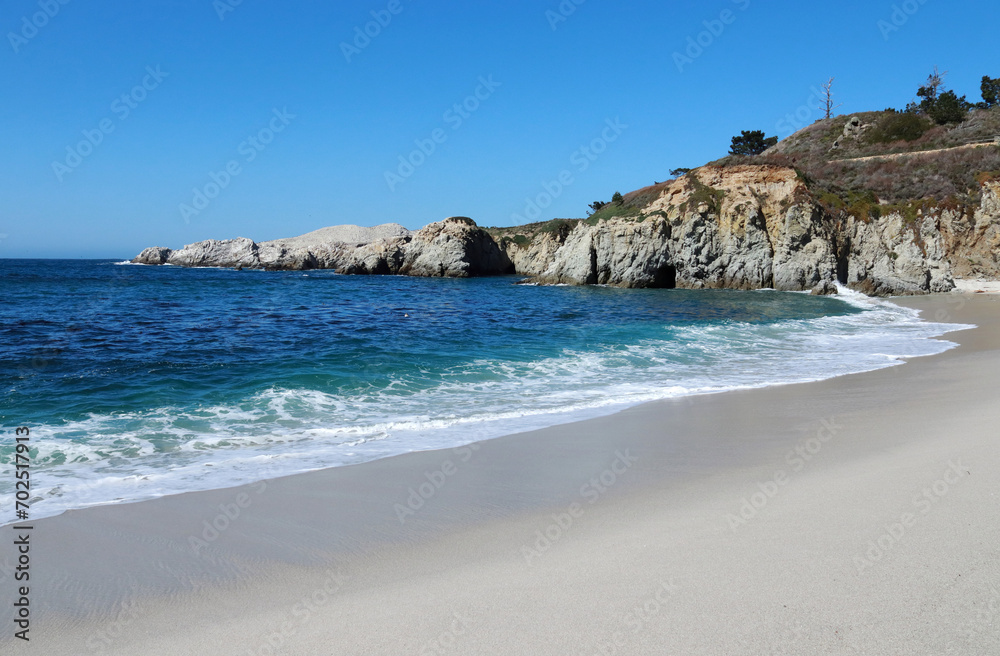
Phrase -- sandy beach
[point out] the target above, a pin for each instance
(850, 516)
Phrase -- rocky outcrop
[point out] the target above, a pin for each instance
(737, 227)
(749, 227)
(854, 129)
(972, 239)
(154, 255)
(455, 247)
(890, 256)
(230, 253)
(825, 288)
(531, 256)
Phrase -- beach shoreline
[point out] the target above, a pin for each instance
(261, 422)
(730, 523)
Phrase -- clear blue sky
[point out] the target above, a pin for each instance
(559, 84)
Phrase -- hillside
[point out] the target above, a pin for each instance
(914, 162)
(912, 158)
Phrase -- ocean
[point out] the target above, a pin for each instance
(137, 382)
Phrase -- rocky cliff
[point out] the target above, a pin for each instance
(455, 247)
(739, 227)
(748, 227)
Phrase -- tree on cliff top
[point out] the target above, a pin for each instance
(942, 106)
(827, 105)
(935, 82)
(949, 108)
(991, 91)
(596, 206)
(751, 143)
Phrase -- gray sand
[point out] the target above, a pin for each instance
(869, 526)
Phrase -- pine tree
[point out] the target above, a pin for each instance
(751, 143)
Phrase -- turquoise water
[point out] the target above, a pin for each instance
(144, 381)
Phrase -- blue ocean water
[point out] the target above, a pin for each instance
(144, 381)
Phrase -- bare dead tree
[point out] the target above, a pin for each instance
(827, 99)
(934, 83)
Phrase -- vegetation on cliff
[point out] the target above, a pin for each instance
(936, 150)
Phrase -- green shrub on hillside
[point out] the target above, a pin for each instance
(612, 210)
(563, 226)
(948, 108)
(703, 194)
(898, 127)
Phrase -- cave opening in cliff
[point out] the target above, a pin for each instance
(665, 277)
(842, 269)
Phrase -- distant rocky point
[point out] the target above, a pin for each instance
(455, 247)
(737, 227)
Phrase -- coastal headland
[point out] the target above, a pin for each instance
(743, 226)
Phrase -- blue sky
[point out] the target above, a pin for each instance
(166, 122)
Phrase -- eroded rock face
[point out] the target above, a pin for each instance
(154, 255)
(533, 257)
(231, 253)
(751, 227)
(455, 247)
(740, 227)
(972, 241)
(737, 228)
(613, 253)
(889, 257)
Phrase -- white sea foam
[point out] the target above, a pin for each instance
(140, 455)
